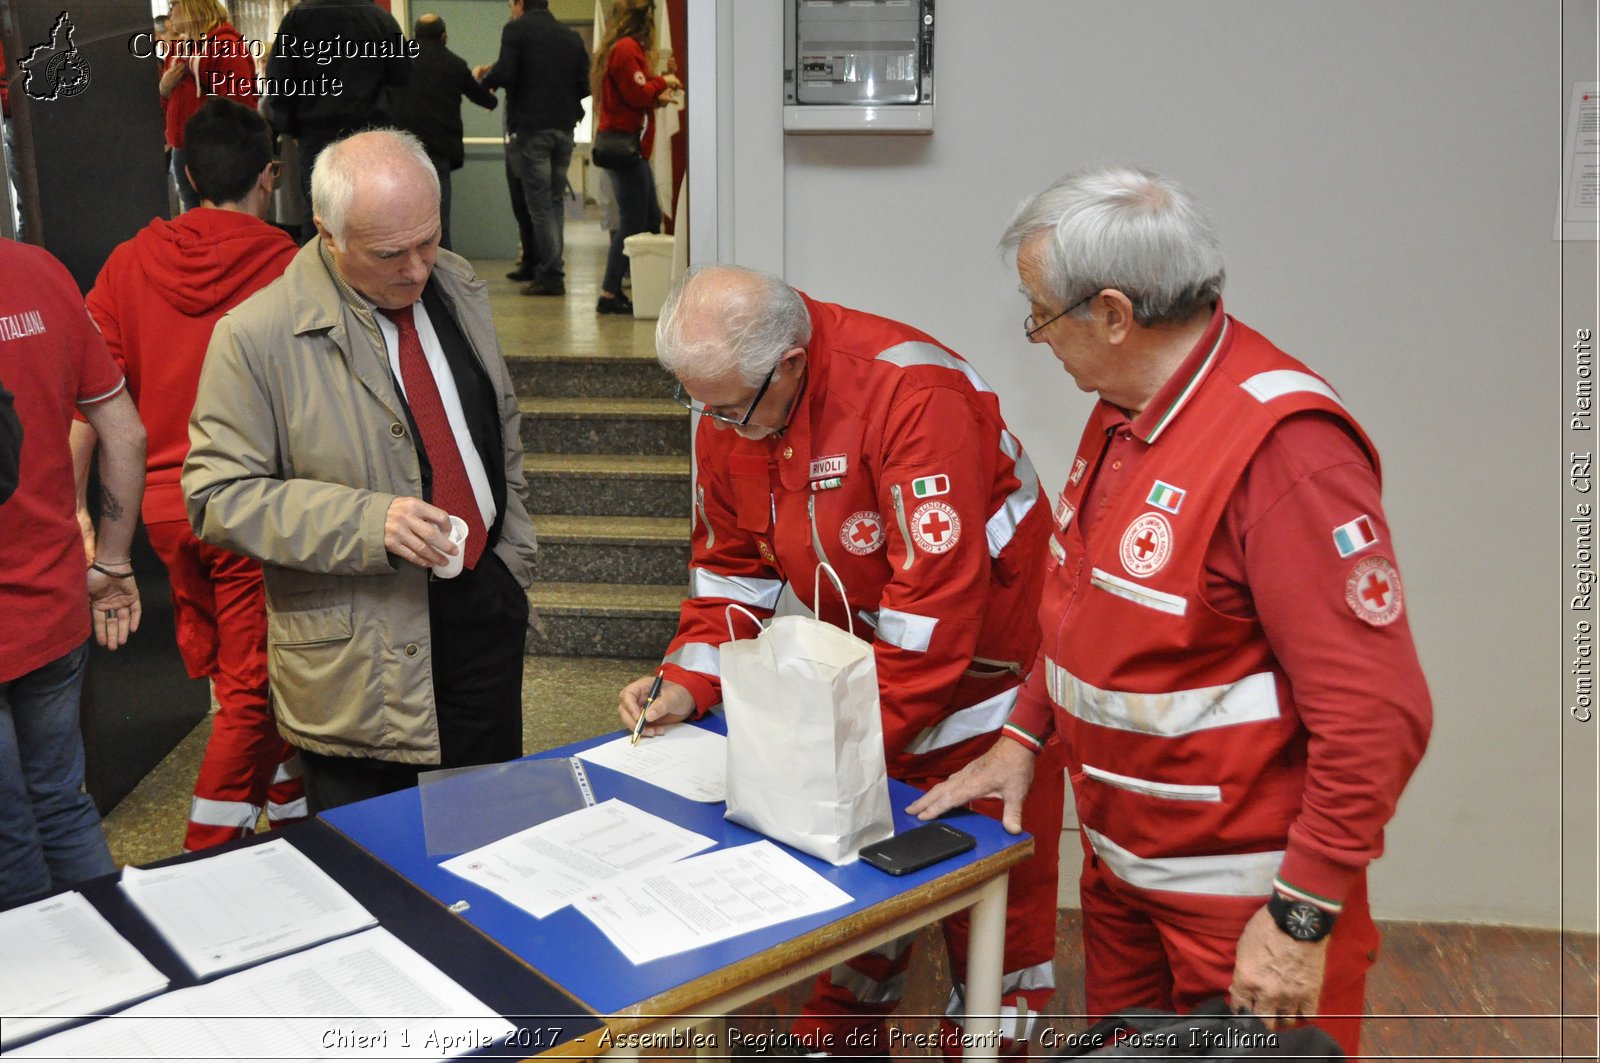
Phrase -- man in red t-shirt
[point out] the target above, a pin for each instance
(55, 362)
(1226, 654)
(156, 302)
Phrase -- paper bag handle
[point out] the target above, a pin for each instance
(727, 615)
(816, 594)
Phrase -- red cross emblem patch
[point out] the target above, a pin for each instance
(935, 526)
(1373, 591)
(1146, 545)
(862, 532)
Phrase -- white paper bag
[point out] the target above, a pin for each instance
(805, 739)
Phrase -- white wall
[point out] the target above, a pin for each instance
(1382, 173)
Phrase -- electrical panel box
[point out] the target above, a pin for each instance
(858, 66)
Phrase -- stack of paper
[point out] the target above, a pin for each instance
(61, 959)
(363, 997)
(707, 899)
(689, 761)
(236, 909)
(542, 868)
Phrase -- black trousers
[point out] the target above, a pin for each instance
(478, 623)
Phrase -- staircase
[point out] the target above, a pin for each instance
(607, 464)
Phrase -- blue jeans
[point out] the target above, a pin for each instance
(635, 189)
(540, 160)
(50, 835)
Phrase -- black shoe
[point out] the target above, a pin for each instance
(520, 274)
(613, 304)
(545, 288)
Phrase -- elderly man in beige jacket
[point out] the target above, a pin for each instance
(356, 430)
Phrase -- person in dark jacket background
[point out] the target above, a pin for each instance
(319, 42)
(429, 106)
(544, 68)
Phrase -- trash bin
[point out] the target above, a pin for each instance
(650, 262)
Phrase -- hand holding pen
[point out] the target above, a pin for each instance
(669, 701)
(655, 692)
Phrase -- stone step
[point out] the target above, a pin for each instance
(609, 549)
(579, 376)
(645, 485)
(604, 619)
(604, 426)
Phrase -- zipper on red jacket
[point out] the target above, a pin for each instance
(816, 540)
(905, 529)
(700, 504)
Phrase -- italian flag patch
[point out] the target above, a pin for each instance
(1354, 537)
(1164, 496)
(930, 486)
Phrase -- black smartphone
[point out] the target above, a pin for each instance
(917, 848)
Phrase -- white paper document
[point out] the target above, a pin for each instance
(690, 761)
(245, 906)
(369, 996)
(541, 869)
(60, 959)
(706, 899)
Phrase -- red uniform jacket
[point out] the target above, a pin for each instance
(897, 470)
(1187, 750)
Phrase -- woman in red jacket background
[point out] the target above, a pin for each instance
(626, 91)
(211, 59)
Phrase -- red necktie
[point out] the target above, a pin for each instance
(452, 491)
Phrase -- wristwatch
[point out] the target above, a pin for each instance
(1301, 920)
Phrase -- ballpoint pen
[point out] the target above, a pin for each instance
(655, 692)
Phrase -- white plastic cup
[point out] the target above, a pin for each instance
(453, 562)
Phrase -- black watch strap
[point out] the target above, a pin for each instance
(1301, 920)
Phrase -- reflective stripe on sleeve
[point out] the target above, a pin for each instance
(1240, 875)
(1252, 699)
(702, 657)
(746, 590)
(906, 630)
(1276, 383)
(1002, 526)
(983, 718)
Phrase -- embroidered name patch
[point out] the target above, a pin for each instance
(935, 526)
(862, 532)
(1064, 512)
(1079, 467)
(835, 465)
(1146, 545)
(1373, 591)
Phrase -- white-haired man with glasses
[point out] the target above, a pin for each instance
(832, 435)
(1226, 654)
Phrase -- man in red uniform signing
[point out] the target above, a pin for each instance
(864, 443)
(156, 301)
(1226, 653)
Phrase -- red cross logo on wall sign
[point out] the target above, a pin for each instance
(1146, 545)
(935, 527)
(862, 532)
(1373, 591)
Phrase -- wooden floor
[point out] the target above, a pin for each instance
(1438, 992)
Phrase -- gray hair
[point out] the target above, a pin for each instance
(333, 177)
(720, 318)
(1123, 228)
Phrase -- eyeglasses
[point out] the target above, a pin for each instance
(738, 422)
(1029, 326)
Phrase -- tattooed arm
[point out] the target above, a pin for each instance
(113, 595)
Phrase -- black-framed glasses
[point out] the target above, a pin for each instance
(1029, 326)
(738, 422)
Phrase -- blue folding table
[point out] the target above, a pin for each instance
(643, 1004)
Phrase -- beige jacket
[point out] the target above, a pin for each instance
(298, 443)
